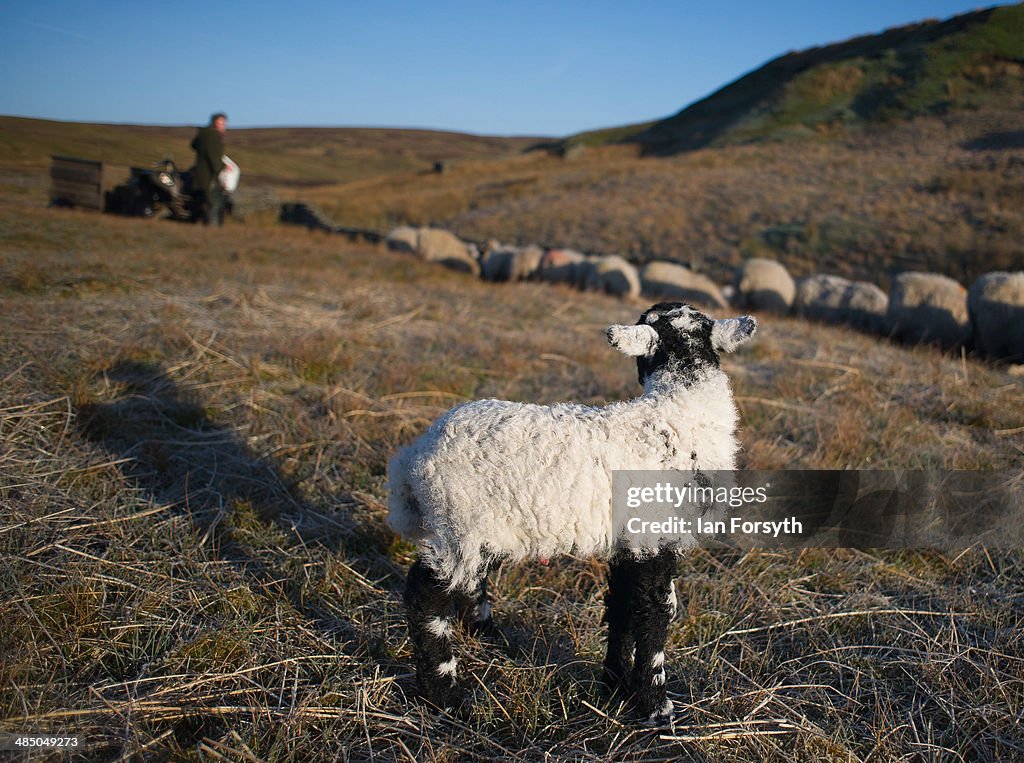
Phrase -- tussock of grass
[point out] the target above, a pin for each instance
(195, 562)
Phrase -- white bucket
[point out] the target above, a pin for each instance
(228, 176)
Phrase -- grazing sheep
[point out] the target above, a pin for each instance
(403, 239)
(510, 263)
(996, 306)
(820, 297)
(560, 266)
(673, 281)
(928, 307)
(764, 285)
(833, 299)
(610, 274)
(434, 245)
(493, 481)
(437, 245)
(866, 307)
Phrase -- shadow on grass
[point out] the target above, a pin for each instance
(179, 457)
(997, 140)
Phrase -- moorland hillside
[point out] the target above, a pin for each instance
(965, 63)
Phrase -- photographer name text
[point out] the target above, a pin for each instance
(700, 526)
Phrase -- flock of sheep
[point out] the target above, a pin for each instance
(920, 307)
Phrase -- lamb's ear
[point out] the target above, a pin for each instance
(730, 333)
(633, 340)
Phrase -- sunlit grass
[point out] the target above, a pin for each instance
(194, 430)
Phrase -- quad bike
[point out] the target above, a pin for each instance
(149, 192)
(164, 188)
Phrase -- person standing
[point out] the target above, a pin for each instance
(209, 147)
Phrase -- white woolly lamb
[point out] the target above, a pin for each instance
(494, 481)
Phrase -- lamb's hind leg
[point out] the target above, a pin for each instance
(431, 627)
(618, 661)
(654, 606)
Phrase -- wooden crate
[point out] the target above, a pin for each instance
(76, 182)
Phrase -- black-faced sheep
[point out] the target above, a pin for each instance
(494, 481)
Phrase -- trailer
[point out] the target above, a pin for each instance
(76, 182)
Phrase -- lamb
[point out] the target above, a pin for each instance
(467, 493)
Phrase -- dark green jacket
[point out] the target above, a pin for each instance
(209, 148)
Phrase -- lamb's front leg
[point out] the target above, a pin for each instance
(474, 610)
(429, 608)
(618, 614)
(654, 606)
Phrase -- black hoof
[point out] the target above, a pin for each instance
(659, 716)
(453, 700)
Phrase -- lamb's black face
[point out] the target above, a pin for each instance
(684, 341)
(676, 337)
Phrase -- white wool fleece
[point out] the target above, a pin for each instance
(518, 481)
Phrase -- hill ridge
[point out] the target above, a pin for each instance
(926, 67)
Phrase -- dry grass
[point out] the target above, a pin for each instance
(941, 195)
(282, 156)
(194, 427)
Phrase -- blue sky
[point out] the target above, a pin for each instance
(487, 67)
